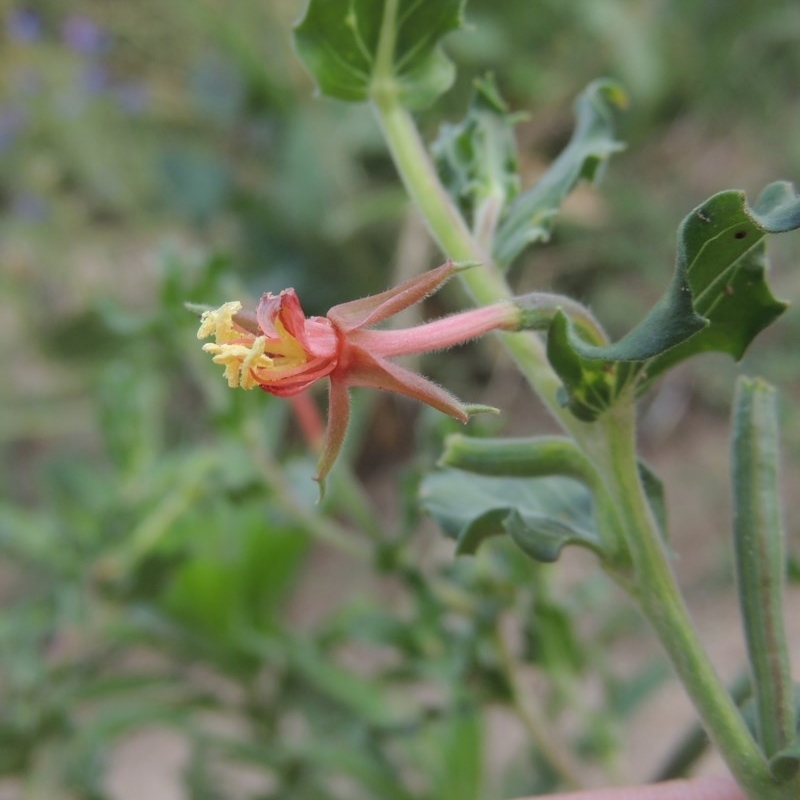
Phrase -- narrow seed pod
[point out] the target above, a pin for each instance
(519, 458)
(759, 560)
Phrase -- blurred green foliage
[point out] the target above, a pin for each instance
(163, 562)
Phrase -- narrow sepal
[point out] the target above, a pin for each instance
(338, 419)
(377, 373)
(376, 308)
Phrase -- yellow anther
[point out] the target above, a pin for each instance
(255, 359)
(249, 360)
(219, 323)
(288, 346)
(239, 360)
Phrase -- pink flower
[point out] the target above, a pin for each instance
(281, 351)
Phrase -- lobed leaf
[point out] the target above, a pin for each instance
(531, 215)
(541, 491)
(341, 43)
(719, 300)
(542, 515)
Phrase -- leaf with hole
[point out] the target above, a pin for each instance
(718, 300)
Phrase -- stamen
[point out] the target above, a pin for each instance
(239, 361)
(255, 359)
(219, 323)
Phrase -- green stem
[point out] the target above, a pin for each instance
(695, 742)
(487, 284)
(610, 443)
(539, 309)
(659, 598)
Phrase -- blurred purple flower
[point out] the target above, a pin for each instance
(83, 35)
(27, 81)
(12, 121)
(23, 25)
(94, 78)
(133, 98)
(30, 207)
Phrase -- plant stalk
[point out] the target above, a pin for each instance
(485, 285)
(609, 442)
(657, 595)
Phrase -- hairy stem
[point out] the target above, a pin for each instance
(487, 284)
(609, 442)
(657, 594)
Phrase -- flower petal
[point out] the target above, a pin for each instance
(287, 381)
(269, 307)
(284, 307)
(371, 310)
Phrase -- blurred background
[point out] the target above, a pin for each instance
(178, 619)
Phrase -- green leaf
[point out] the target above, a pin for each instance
(541, 515)
(357, 694)
(531, 216)
(542, 537)
(239, 586)
(718, 300)
(526, 507)
(722, 251)
(451, 752)
(357, 48)
(591, 385)
(477, 158)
